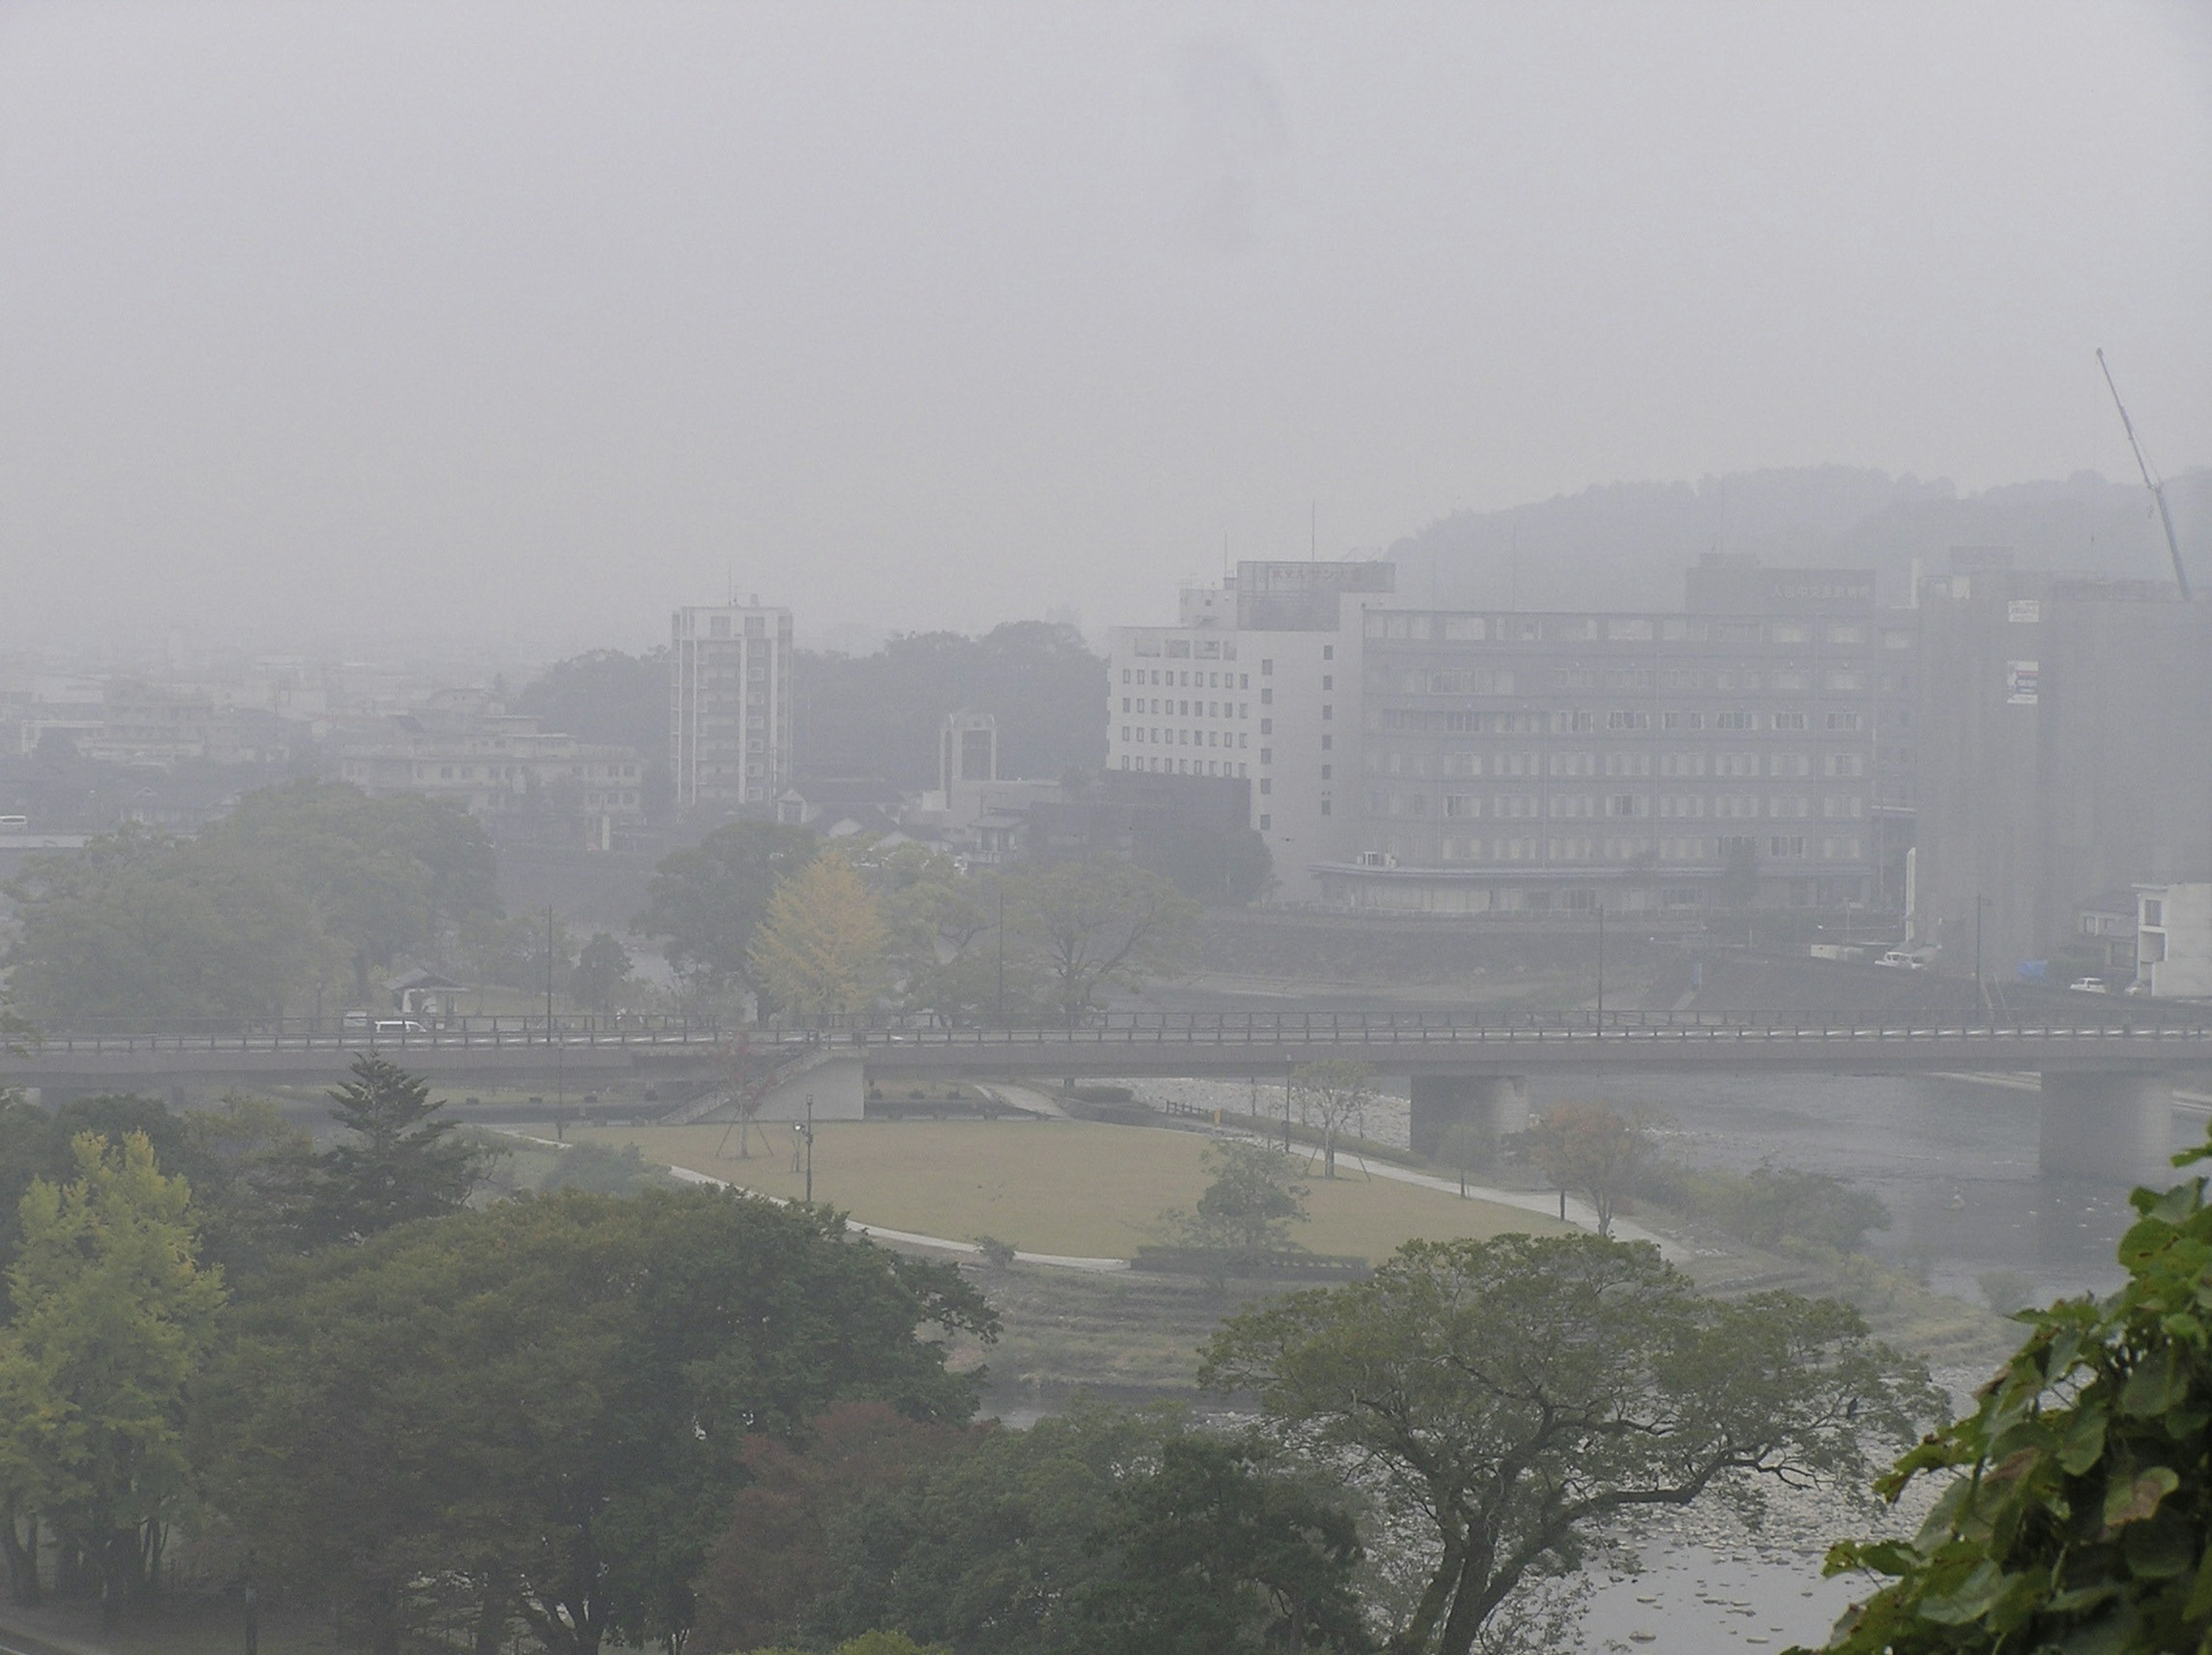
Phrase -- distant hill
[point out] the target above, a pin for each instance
(1624, 545)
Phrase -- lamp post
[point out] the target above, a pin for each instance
(1600, 967)
(807, 1137)
(1981, 990)
(1002, 951)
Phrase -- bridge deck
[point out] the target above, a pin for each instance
(1181, 1044)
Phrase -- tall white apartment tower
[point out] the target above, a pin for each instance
(1259, 679)
(730, 706)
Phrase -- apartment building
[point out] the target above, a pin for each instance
(1259, 680)
(730, 706)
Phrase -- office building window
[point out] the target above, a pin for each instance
(1266, 821)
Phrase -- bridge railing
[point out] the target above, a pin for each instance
(1302, 1029)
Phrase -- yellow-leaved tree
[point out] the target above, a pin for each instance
(824, 946)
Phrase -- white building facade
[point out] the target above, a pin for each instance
(730, 702)
(1259, 680)
(2173, 941)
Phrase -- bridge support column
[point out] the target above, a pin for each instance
(2117, 1127)
(1496, 1103)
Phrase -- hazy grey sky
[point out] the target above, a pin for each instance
(526, 322)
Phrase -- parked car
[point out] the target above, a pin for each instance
(1898, 960)
(2088, 985)
(395, 1028)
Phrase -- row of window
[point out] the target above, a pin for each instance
(1619, 629)
(1187, 767)
(1190, 680)
(1836, 680)
(1625, 805)
(1394, 762)
(1411, 720)
(1146, 735)
(1168, 707)
(1567, 849)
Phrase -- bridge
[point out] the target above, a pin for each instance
(2106, 1074)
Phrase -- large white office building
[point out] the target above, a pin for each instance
(730, 706)
(1259, 679)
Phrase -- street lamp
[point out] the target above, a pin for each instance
(1981, 990)
(807, 1136)
(1600, 967)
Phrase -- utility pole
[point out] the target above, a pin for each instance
(1002, 951)
(808, 1136)
(1981, 990)
(549, 971)
(1600, 967)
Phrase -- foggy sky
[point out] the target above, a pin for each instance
(525, 323)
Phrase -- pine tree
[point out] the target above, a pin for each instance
(402, 1165)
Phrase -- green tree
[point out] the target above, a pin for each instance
(879, 714)
(1096, 1531)
(1223, 1549)
(1506, 1396)
(2079, 1498)
(602, 969)
(1589, 1150)
(112, 1319)
(706, 901)
(1250, 1204)
(402, 1162)
(545, 1402)
(821, 946)
(140, 925)
(1086, 928)
(601, 1170)
(1334, 1094)
(386, 876)
(606, 696)
(770, 1566)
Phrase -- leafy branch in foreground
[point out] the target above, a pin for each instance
(2080, 1517)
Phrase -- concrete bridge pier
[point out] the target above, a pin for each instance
(1496, 1103)
(2115, 1126)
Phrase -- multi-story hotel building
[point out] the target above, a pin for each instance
(730, 706)
(1756, 746)
(1260, 680)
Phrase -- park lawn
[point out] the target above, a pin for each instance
(1071, 1188)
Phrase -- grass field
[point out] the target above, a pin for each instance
(1066, 1187)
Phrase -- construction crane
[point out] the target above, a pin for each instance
(2150, 480)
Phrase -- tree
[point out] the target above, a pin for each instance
(706, 901)
(402, 1165)
(1334, 1093)
(601, 970)
(1089, 928)
(113, 1318)
(1251, 1204)
(600, 1170)
(879, 714)
(1223, 1549)
(2080, 1497)
(606, 696)
(386, 876)
(766, 1570)
(545, 1403)
(821, 946)
(1591, 1151)
(1504, 1397)
(141, 925)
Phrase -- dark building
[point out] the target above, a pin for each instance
(2064, 750)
